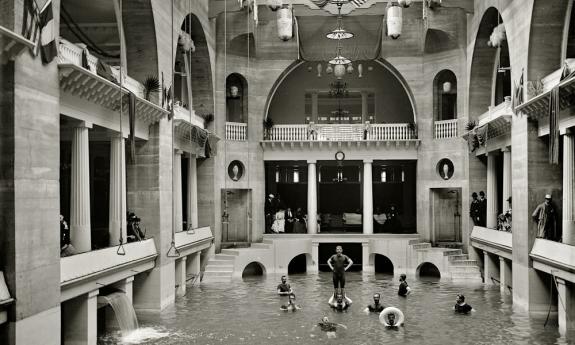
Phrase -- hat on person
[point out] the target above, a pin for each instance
(271, 195)
(474, 195)
(547, 196)
(482, 193)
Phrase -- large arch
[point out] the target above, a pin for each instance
(428, 270)
(381, 263)
(299, 263)
(254, 268)
(379, 64)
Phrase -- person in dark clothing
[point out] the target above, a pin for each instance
(482, 209)
(545, 216)
(134, 233)
(404, 288)
(475, 209)
(289, 220)
(339, 263)
(460, 306)
(270, 210)
(376, 307)
(284, 288)
(66, 248)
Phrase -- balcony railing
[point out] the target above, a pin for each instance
(446, 129)
(236, 131)
(71, 53)
(341, 132)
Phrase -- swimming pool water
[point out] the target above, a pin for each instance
(247, 312)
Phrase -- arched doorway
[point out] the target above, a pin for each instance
(445, 96)
(383, 264)
(298, 264)
(236, 98)
(428, 271)
(253, 269)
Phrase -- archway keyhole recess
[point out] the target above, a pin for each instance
(236, 98)
(428, 270)
(298, 264)
(383, 264)
(253, 269)
(445, 96)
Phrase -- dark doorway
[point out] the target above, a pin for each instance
(352, 250)
(428, 270)
(253, 269)
(383, 264)
(297, 264)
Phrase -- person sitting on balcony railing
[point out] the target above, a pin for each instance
(66, 248)
(133, 231)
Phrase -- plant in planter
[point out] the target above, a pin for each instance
(412, 127)
(151, 85)
(208, 118)
(470, 125)
(268, 125)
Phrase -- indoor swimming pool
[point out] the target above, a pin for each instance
(248, 312)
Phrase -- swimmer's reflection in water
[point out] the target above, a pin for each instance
(329, 327)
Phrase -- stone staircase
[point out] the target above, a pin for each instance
(457, 265)
(221, 267)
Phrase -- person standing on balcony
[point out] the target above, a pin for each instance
(482, 209)
(270, 211)
(545, 217)
(475, 209)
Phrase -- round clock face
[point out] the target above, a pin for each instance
(339, 156)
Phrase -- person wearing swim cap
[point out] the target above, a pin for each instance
(461, 306)
(291, 306)
(339, 263)
(404, 288)
(329, 327)
(376, 307)
(340, 303)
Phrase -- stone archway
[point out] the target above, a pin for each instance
(254, 269)
(428, 270)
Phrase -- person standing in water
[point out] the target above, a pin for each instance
(339, 263)
(376, 307)
(461, 306)
(404, 289)
(284, 288)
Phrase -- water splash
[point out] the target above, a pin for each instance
(124, 311)
(143, 334)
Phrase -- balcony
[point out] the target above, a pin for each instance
(192, 241)
(12, 44)
(79, 83)
(342, 132)
(82, 273)
(236, 131)
(492, 241)
(446, 129)
(555, 258)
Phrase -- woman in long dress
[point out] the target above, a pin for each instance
(279, 222)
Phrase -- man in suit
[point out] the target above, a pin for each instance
(475, 209)
(482, 209)
(270, 210)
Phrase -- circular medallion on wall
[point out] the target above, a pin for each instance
(339, 156)
(445, 169)
(236, 170)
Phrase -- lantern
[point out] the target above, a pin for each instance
(329, 69)
(318, 70)
(339, 71)
(275, 5)
(404, 3)
(446, 87)
(359, 70)
(285, 23)
(394, 22)
(349, 69)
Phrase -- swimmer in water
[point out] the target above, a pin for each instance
(391, 320)
(404, 289)
(329, 327)
(376, 307)
(461, 306)
(340, 303)
(291, 306)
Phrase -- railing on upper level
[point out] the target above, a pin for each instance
(341, 132)
(71, 53)
(446, 129)
(182, 113)
(236, 131)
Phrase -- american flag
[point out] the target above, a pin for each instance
(322, 3)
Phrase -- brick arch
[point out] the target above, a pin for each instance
(546, 38)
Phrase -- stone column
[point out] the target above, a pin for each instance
(367, 198)
(364, 114)
(129, 288)
(565, 305)
(314, 107)
(311, 197)
(491, 191)
(192, 192)
(489, 268)
(117, 218)
(181, 276)
(313, 267)
(568, 177)
(81, 320)
(506, 178)
(80, 230)
(365, 253)
(504, 275)
(177, 192)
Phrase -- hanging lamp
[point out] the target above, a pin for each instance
(285, 23)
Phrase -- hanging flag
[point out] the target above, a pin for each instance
(518, 95)
(48, 49)
(30, 21)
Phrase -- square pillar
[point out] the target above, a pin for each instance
(311, 197)
(491, 191)
(313, 267)
(565, 305)
(365, 254)
(80, 322)
(367, 220)
(181, 276)
(490, 269)
(193, 264)
(504, 275)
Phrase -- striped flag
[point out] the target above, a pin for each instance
(30, 21)
(323, 3)
(48, 49)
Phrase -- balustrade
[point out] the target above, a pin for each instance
(341, 132)
(236, 131)
(446, 129)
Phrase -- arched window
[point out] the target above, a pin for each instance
(445, 96)
(236, 98)
(501, 74)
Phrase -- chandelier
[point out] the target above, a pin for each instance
(339, 33)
